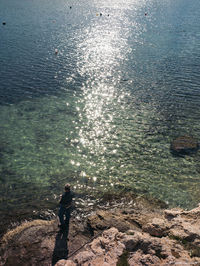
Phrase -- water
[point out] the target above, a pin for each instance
(102, 112)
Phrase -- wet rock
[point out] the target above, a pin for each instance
(184, 145)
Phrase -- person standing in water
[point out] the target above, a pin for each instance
(64, 213)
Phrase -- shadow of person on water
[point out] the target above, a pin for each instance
(61, 248)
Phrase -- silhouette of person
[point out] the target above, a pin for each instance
(65, 209)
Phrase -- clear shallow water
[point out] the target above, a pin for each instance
(102, 112)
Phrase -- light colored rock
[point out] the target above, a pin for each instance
(140, 259)
(105, 250)
(84, 256)
(148, 250)
(151, 245)
(65, 263)
(171, 214)
(184, 224)
(142, 248)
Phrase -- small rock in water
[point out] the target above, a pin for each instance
(184, 145)
(4, 23)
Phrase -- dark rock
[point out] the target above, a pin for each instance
(106, 219)
(184, 145)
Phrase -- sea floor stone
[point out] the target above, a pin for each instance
(184, 145)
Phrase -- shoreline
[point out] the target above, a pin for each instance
(84, 205)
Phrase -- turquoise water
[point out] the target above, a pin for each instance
(102, 112)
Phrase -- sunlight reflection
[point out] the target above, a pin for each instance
(124, 4)
(107, 111)
(101, 52)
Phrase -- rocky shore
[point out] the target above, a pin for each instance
(123, 231)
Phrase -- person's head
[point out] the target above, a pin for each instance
(67, 187)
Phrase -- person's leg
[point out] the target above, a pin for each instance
(61, 215)
(67, 216)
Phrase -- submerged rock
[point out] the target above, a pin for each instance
(184, 145)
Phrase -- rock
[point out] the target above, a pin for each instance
(104, 250)
(139, 249)
(104, 219)
(40, 241)
(84, 256)
(65, 263)
(185, 226)
(171, 214)
(184, 145)
(142, 236)
(172, 238)
(143, 259)
(157, 227)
